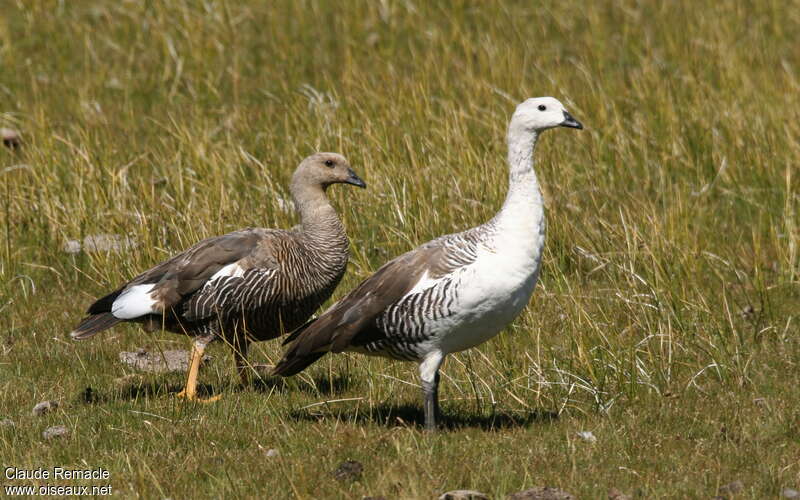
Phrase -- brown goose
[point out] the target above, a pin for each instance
(454, 292)
(249, 285)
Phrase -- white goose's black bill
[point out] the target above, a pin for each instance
(571, 122)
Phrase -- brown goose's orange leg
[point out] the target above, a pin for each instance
(190, 391)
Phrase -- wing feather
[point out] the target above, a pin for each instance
(354, 316)
(169, 283)
(230, 295)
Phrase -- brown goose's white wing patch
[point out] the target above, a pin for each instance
(134, 302)
(171, 282)
(138, 300)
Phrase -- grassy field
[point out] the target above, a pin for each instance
(665, 322)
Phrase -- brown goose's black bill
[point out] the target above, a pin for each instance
(355, 180)
(571, 122)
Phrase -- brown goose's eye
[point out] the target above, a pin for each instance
(329, 163)
(542, 107)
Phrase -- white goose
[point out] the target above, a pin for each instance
(454, 292)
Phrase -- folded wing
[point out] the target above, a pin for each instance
(168, 287)
(351, 321)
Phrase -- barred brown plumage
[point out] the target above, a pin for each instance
(249, 285)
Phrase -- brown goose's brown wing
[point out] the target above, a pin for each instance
(232, 295)
(187, 272)
(355, 314)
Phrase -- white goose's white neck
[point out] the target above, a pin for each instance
(521, 218)
(501, 281)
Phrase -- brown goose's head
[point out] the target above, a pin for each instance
(324, 169)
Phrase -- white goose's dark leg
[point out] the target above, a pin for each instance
(429, 376)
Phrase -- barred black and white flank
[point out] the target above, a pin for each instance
(454, 292)
(249, 285)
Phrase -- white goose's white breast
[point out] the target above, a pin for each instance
(491, 293)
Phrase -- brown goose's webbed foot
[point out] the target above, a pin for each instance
(189, 393)
(195, 398)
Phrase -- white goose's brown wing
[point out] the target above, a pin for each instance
(351, 321)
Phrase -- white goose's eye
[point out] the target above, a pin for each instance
(542, 107)
(329, 163)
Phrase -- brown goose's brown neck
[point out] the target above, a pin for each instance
(321, 225)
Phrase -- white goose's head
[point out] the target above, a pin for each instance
(541, 113)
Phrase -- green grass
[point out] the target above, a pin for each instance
(666, 320)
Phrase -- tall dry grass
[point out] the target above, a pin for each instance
(668, 298)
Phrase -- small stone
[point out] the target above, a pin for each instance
(731, 488)
(99, 243)
(6, 422)
(44, 407)
(159, 361)
(747, 311)
(615, 494)
(587, 436)
(114, 83)
(107, 243)
(55, 431)
(790, 493)
(762, 402)
(272, 452)
(541, 493)
(463, 495)
(11, 138)
(72, 246)
(349, 470)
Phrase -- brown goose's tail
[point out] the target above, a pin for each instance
(93, 324)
